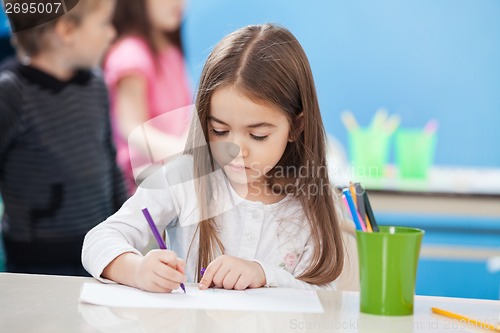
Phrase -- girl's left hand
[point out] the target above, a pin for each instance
(233, 273)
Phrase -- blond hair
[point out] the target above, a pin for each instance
(268, 64)
(30, 42)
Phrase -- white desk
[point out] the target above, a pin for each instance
(37, 303)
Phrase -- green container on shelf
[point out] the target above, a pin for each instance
(369, 152)
(415, 151)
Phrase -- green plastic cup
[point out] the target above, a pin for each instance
(414, 153)
(388, 263)
(369, 151)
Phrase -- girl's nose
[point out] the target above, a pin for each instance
(233, 150)
(238, 148)
(244, 151)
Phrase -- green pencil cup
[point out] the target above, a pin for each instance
(388, 263)
(369, 151)
(414, 153)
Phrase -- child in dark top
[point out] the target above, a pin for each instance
(58, 174)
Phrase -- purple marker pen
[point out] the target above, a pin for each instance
(157, 235)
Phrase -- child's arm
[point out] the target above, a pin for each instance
(112, 249)
(348, 279)
(157, 271)
(223, 271)
(131, 72)
(230, 272)
(132, 113)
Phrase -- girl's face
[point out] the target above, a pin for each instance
(247, 139)
(165, 15)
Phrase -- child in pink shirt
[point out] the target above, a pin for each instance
(146, 75)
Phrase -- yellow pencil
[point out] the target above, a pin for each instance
(353, 194)
(369, 225)
(476, 323)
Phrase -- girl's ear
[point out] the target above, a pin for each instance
(299, 127)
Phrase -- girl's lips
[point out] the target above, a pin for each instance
(237, 167)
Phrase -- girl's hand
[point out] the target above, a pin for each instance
(233, 273)
(160, 271)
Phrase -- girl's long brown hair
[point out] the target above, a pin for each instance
(130, 18)
(268, 65)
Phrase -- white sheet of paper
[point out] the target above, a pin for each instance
(262, 299)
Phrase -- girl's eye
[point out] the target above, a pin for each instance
(219, 133)
(258, 138)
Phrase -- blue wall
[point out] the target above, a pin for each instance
(4, 23)
(6, 49)
(420, 58)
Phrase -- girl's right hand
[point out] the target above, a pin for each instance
(160, 271)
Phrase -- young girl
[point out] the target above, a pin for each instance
(146, 76)
(255, 208)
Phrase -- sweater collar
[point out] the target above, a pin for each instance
(50, 82)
